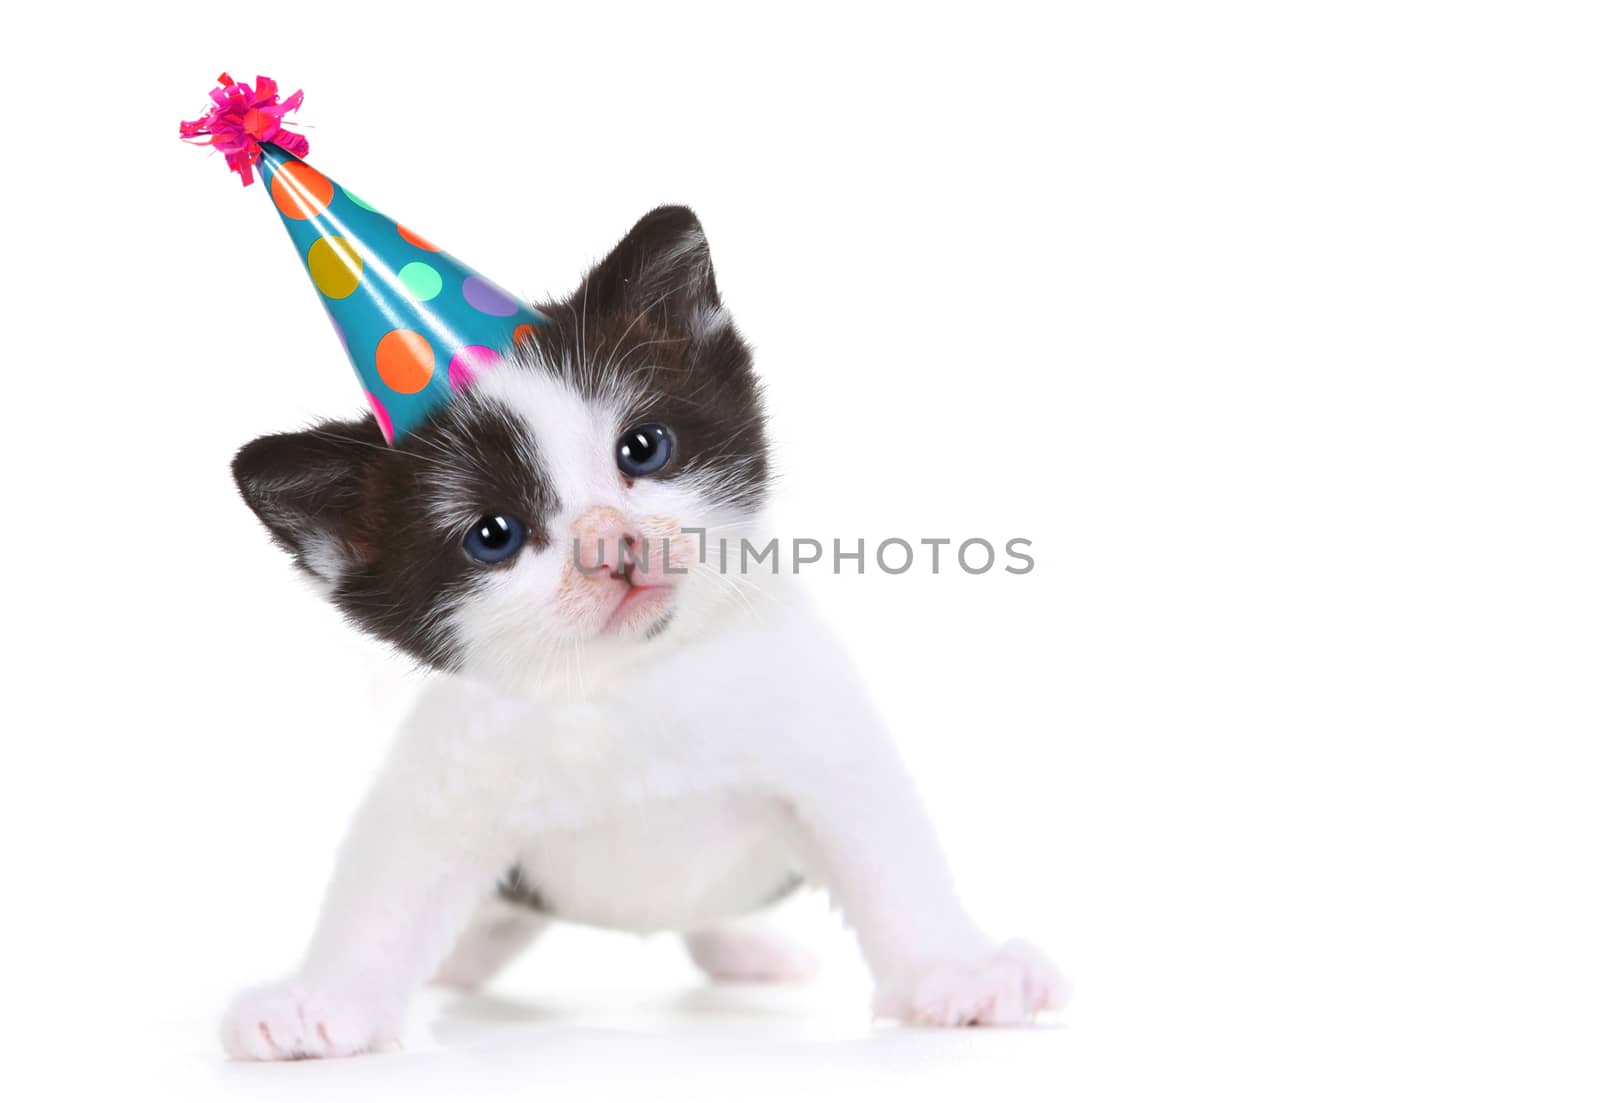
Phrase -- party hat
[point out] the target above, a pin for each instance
(417, 323)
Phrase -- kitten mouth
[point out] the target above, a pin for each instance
(640, 608)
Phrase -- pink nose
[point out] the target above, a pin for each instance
(607, 543)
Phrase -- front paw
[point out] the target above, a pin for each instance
(293, 1019)
(1003, 987)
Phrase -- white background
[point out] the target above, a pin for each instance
(1273, 326)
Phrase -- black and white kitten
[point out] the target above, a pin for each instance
(619, 733)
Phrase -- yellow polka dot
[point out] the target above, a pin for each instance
(335, 266)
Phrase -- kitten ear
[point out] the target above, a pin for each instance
(662, 265)
(313, 491)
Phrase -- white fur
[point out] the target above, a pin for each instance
(641, 783)
(750, 950)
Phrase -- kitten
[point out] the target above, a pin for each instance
(621, 734)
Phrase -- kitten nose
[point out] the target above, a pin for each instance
(606, 543)
(626, 555)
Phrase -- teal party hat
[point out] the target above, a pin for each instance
(417, 323)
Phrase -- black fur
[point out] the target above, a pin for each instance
(340, 490)
(350, 508)
(515, 888)
(638, 310)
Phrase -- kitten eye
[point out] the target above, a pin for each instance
(644, 450)
(495, 538)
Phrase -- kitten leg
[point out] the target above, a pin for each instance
(868, 839)
(408, 876)
(498, 932)
(750, 949)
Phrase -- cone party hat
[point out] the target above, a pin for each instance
(417, 323)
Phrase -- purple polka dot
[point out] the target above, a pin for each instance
(384, 424)
(486, 297)
(466, 364)
(339, 332)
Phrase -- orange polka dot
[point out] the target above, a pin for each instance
(417, 239)
(523, 334)
(300, 191)
(405, 360)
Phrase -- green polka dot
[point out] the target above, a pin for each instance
(357, 200)
(421, 280)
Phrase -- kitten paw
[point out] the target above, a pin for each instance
(1008, 986)
(751, 954)
(291, 1020)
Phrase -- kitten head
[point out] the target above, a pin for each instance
(543, 511)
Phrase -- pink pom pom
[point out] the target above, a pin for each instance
(241, 118)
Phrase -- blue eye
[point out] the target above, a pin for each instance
(644, 450)
(495, 538)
